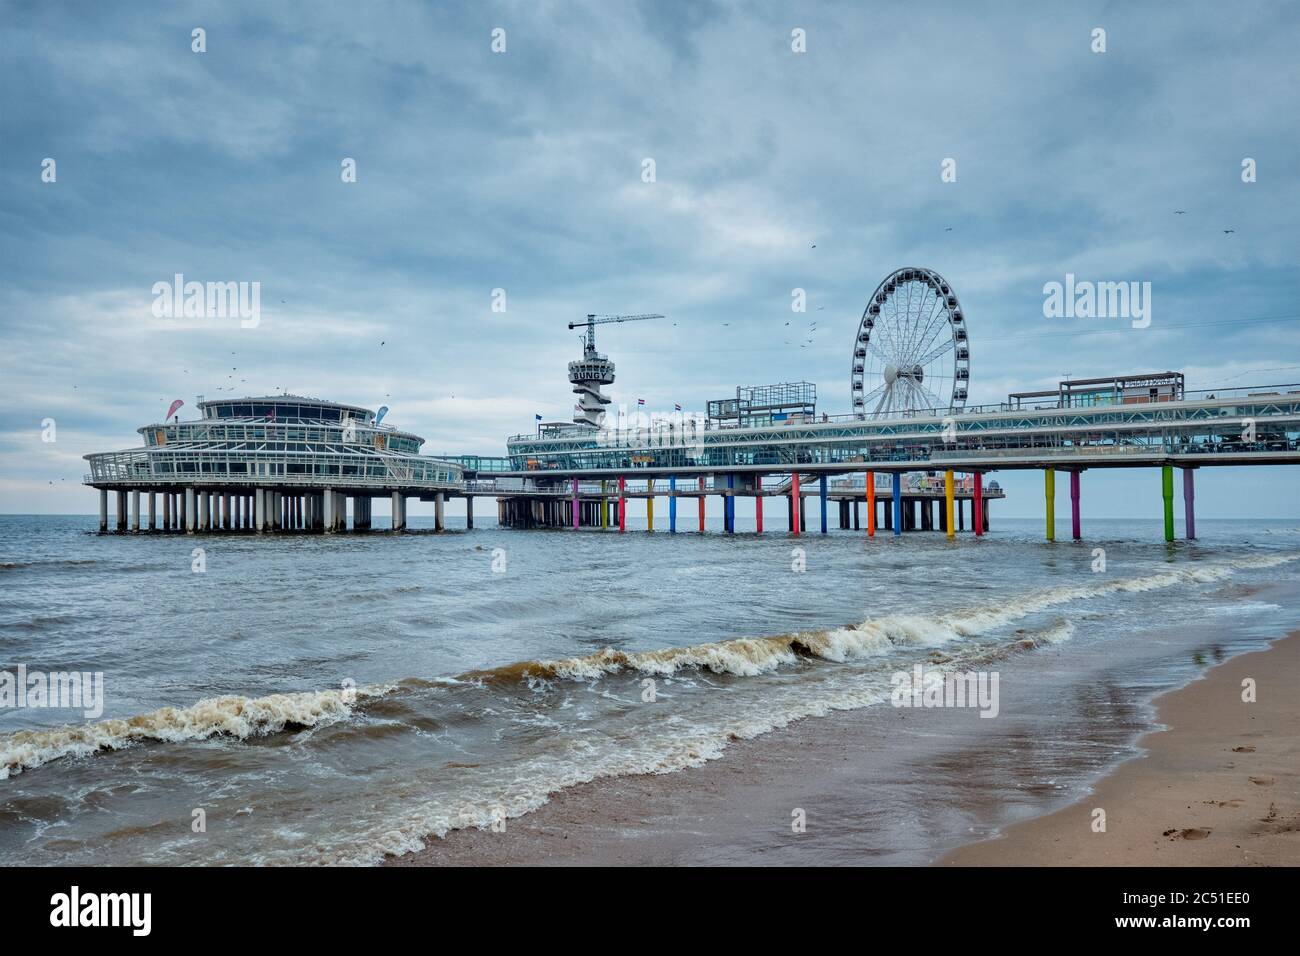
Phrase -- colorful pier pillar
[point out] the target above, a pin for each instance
(898, 504)
(575, 504)
(821, 493)
(672, 504)
(947, 502)
(1189, 503)
(1167, 490)
(871, 504)
(729, 506)
(1075, 530)
(1049, 489)
(977, 504)
(796, 504)
(604, 505)
(701, 504)
(650, 505)
(622, 504)
(758, 505)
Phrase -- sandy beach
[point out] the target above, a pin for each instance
(1219, 787)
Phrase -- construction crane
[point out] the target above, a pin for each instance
(595, 320)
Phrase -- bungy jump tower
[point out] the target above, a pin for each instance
(282, 462)
(593, 370)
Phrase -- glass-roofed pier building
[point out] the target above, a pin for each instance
(266, 464)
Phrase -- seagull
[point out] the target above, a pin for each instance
(1227, 232)
(949, 229)
(1180, 212)
(814, 245)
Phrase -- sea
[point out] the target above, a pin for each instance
(344, 699)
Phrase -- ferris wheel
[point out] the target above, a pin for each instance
(911, 355)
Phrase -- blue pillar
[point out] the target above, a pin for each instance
(821, 493)
(898, 504)
(672, 504)
(729, 506)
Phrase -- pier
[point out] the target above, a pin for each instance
(911, 456)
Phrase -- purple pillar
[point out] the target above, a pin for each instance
(575, 504)
(1189, 503)
(1074, 505)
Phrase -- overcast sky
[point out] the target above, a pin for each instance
(522, 171)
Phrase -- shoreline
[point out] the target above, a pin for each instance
(1216, 784)
(839, 768)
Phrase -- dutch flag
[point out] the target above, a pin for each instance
(640, 401)
(676, 407)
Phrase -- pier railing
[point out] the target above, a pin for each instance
(225, 467)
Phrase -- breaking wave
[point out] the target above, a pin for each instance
(243, 717)
(231, 716)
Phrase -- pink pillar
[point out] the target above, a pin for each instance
(1189, 503)
(796, 504)
(1074, 505)
(977, 505)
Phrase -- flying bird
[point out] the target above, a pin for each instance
(949, 229)
(1180, 212)
(1228, 232)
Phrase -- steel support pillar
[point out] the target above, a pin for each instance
(1049, 492)
(672, 504)
(821, 494)
(1076, 529)
(898, 503)
(949, 526)
(871, 504)
(796, 505)
(1167, 491)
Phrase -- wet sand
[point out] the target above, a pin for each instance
(1219, 787)
(892, 786)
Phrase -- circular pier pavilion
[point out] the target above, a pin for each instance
(282, 462)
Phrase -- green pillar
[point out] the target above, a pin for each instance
(1049, 487)
(1167, 488)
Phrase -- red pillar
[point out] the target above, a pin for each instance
(871, 504)
(758, 508)
(797, 504)
(977, 505)
(701, 504)
(622, 504)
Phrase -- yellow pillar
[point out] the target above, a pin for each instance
(947, 501)
(650, 505)
(1049, 478)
